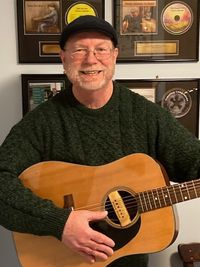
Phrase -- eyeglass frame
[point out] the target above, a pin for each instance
(86, 51)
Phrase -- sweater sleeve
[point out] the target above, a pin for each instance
(21, 210)
(177, 149)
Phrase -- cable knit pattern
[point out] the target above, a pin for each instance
(62, 129)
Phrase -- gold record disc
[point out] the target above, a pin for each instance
(177, 18)
(79, 9)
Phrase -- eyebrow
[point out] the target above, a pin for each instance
(79, 43)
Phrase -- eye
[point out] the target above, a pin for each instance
(101, 49)
(79, 50)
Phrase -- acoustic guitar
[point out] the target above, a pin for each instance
(134, 190)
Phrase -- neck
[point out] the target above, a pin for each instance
(93, 99)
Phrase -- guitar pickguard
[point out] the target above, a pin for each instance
(112, 226)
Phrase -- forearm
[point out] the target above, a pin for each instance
(48, 220)
(22, 210)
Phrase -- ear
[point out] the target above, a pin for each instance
(62, 56)
(116, 52)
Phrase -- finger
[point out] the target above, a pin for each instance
(102, 239)
(105, 249)
(99, 255)
(94, 255)
(99, 215)
(101, 248)
(87, 257)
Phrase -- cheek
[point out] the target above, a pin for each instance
(72, 72)
(69, 67)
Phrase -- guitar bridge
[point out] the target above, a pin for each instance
(119, 208)
(122, 207)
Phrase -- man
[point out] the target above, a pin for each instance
(132, 23)
(48, 20)
(148, 22)
(93, 122)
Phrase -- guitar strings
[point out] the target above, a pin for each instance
(160, 195)
(146, 200)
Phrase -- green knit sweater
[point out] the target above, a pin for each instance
(63, 129)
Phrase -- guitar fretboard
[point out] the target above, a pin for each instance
(167, 196)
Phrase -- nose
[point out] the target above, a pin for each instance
(91, 57)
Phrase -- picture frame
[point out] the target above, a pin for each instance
(157, 30)
(40, 23)
(38, 88)
(178, 96)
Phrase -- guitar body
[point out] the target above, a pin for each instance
(87, 186)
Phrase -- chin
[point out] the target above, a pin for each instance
(92, 86)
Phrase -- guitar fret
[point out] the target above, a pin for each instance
(180, 192)
(146, 199)
(174, 194)
(169, 195)
(184, 194)
(181, 187)
(164, 196)
(153, 198)
(187, 191)
(150, 205)
(157, 199)
(144, 204)
(195, 191)
(139, 201)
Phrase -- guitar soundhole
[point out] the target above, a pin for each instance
(129, 209)
(118, 229)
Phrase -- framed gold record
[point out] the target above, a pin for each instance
(79, 9)
(38, 37)
(154, 30)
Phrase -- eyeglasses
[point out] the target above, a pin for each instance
(99, 52)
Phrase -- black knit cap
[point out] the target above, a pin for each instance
(85, 24)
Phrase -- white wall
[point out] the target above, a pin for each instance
(11, 112)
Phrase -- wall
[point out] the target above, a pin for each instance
(11, 112)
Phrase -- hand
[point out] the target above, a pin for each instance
(81, 238)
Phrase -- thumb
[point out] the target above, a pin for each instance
(97, 215)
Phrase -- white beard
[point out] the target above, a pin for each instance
(92, 85)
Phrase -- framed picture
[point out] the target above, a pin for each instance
(180, 97)
(38, 88)
(40, 23)
(157, 30)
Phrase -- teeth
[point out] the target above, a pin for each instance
(90, 72)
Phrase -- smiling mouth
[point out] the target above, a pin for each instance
(92, 72)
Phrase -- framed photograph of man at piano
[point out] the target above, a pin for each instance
(38, 88)
(157, 30)
(178, 96)
(40, 23)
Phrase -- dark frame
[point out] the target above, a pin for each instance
(37, 88)
(179, 96)
(154, 38)
(38, 38)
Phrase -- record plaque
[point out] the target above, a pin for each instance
(157, 30)
(179, 96)
(40, 23)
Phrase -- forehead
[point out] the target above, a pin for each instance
(86, 37)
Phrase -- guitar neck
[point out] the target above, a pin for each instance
(168, 195)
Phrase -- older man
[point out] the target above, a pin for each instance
(93, 122)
